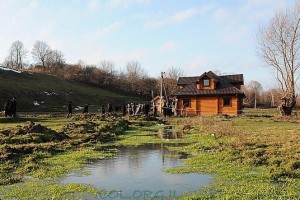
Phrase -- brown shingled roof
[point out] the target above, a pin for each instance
(235, 78)
(224, 85)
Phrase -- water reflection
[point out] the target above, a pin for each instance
(140, 169)
(169, 133)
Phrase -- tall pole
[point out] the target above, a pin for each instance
(161, 84)
(153, 104)
(161, 90)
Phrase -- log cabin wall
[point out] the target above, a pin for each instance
(209, 105)
(231, 109)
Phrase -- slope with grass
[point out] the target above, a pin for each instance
(44, 93)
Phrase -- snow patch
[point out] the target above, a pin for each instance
(78, 108)
(8, 69)
(49, 93)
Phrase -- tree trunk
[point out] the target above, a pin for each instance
(287, 106)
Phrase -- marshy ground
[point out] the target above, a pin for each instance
(255, 156)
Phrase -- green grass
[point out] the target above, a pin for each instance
(30, 87)
(48, 190)
(255, 156)
(251, 157)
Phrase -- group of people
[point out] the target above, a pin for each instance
(169, 108)
(129, 109)
(10, 108)
(136, 109)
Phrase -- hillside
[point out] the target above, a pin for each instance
(44, 93)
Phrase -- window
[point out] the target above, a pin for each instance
(187, 102)
(206, 82)
(227, 102)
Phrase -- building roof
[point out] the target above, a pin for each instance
(224, 85)
(235, 78)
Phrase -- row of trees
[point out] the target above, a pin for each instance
(257, 97)
(134, 79)
(41, 52)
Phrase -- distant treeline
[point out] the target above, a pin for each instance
(133, 80)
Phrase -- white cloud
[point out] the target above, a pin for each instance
(125, 57)
(238, 34)
(4, 5)
(220, 14)
(168, 46)
(93, 5)
(126, 3)
(198, 64)
(178, 17)
(183, 15)
(107, 29)
(33, 4)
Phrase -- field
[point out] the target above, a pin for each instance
(255, 156)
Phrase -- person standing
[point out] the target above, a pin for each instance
(155, 111)
(86, 108)
(6, 108)
(70, 109)
(102, 109)
(13, 107)
(147, 109)
(175, 103)
(109, 109)
(124, 109)
(128, 108)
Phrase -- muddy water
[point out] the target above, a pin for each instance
(138, 173)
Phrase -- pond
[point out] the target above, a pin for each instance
(137, 172)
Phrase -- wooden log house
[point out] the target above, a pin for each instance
(210, 94)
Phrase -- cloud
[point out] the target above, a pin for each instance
(220, 14)
(126, 3)
(183, 15)
(108, 29)
(4, 5)
(33, 4)
(125, 57)
(93, 5)
(199, 63)
(233, 36)
(168, 46)
(178, 17)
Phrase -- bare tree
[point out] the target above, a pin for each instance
(170, 81)
(135, 75)
(41, 52)
(255, 89)
(278, 46)
(16, 56)
(55, 59)
(108, 74)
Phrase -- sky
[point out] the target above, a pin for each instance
(194, 35)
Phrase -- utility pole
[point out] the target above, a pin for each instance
(153, 104)
(161, 90)
(161, 84)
